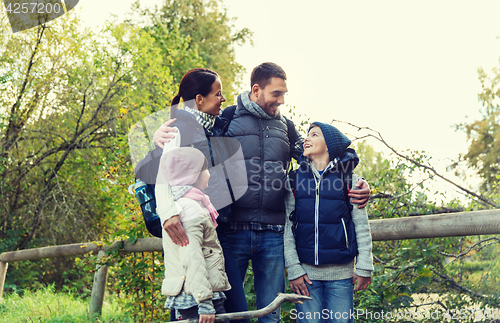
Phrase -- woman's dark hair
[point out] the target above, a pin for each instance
(196, 81)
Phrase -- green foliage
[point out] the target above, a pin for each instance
(60, 113)
(208, 36)
(65, 274)
(484, 135)
(398, 187)
(136, 279)
(406, 269)
(68, 99)
(47, 306)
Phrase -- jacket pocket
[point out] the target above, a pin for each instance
(213, 263)
(345, 234)
(211, 259)
(216, 275)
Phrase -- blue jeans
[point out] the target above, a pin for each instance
(332, 301)
(192, 313)
(265, 249)
(236, 301)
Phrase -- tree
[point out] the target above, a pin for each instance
(407, 270)
(484, 135)
(69, 98)
(207, 31)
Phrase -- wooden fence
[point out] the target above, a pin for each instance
(414, 227)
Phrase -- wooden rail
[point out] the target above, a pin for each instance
(414, 227)
(77, 249)
(436, 226)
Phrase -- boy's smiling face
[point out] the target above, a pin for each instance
(314, 144)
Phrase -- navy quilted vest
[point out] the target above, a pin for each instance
(325, 231)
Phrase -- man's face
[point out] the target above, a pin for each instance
(271, 96)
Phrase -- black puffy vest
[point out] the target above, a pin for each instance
(266, 150)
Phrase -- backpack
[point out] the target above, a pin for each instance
(144, 193)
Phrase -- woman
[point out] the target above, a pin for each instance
(198, 125)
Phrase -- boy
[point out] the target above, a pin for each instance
(325, 233)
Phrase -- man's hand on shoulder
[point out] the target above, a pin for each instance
(361, 194)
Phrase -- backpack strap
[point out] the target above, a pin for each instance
(292, 135)
(228, 114)
(292, 138)
(347, 179)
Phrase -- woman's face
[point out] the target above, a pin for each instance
(212, 103)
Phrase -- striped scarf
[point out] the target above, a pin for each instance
(205, 119)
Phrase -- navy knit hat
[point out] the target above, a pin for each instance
(335, 140)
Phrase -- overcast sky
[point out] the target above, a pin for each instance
(405, 68)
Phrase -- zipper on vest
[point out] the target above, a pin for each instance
(262, 172)
(316, 215)
(345, 233)
(316, 220)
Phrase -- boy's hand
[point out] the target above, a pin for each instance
(207, 318)
(360, 194)
(361, 282)
(164, 133)
(298, 285)
(175, 231)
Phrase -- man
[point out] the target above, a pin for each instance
(258, 217)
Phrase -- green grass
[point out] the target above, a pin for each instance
(484, 273)
(47, 306)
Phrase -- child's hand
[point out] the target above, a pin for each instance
(207, 318)
(361, 282)
(298, 286)
(360, 193)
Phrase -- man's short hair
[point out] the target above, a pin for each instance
(263, 73)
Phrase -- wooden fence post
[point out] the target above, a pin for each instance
(98, 288)
(3, 272)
